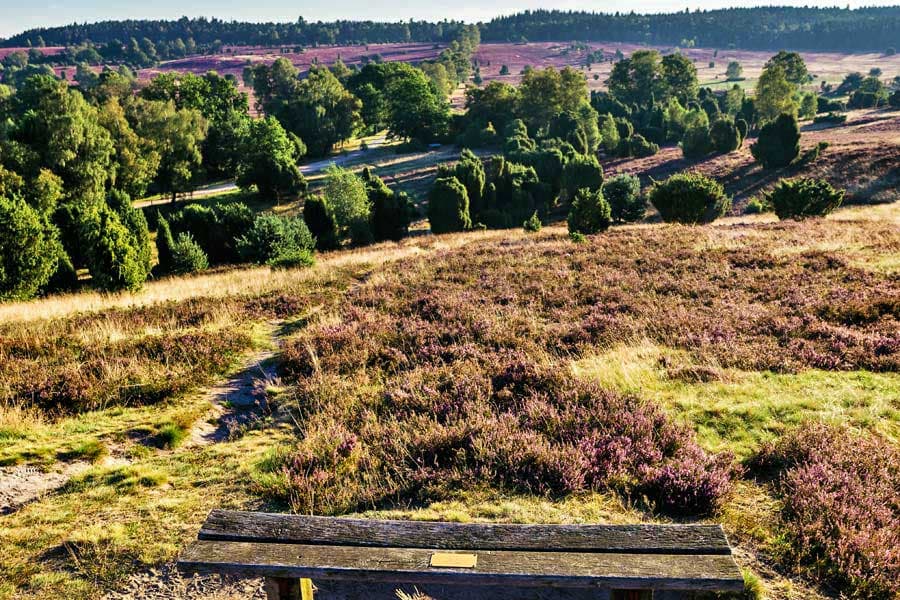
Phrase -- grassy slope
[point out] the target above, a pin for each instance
(138, 504)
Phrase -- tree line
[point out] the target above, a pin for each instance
(808, 28)
(210, 35)
(756, 28)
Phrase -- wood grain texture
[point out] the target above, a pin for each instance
(298, 529)
(715, 572)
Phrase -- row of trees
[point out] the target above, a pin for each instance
(209, 35)
(132, 52)
(763, 28)
(870, 28)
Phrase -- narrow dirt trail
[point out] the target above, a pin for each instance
(236, 400)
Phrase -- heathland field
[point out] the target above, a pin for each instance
(654, 373)
(438, 279)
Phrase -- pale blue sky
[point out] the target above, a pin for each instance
(18, 15)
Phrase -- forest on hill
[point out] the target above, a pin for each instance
(764, 28)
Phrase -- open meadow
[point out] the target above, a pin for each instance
(273, 268)
(489, 361)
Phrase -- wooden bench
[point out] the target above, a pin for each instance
(351, 559)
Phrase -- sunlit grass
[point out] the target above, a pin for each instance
(739, 410)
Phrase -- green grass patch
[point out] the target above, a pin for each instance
(89, 450)
(739, 410)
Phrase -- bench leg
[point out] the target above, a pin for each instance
(279, 588)
(669, 595)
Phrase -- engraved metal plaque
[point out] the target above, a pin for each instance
(453, 560)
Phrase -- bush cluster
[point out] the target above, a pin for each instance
(801, 198)
(278, 242)
(590, 213)
(831, 118)
(778, 143)
(623, 192)
(690, 198)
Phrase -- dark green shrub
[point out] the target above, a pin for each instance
(690, 198)
(828, 105)
(710, 107)
(64, 278)
(743, 128)
(533, 224)
(277, 241)
(639, 147)
(470, 172)
(111, 254)
(319, 218)
(448, 206)
(812, 155)
(894, 100)
(861, 99)
(830, 119)
(623, 193)
(216, 228)
(164, 245)
(590, 212)
(625, 128)
(29, 250)
(755, 207)
(802, 198)
(724, 135)
(136, 223)
(582, 172)
(392, 213)
(233, 220)
(187, 255)
(696, 142)
(778, 143)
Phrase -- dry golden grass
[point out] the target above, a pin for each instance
(241, 281)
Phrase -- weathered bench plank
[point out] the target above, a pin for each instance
(495, 567)
(294, 529)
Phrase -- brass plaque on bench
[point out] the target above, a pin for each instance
(453, 560)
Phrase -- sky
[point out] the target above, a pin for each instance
(19, 15)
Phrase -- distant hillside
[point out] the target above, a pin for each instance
(762, 28)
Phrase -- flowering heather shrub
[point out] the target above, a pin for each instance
(741, 305)
(841, 494)
(118, 356)
(506, 422)
(451, 371)
(75, 376)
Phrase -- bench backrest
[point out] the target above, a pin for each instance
(240, 526)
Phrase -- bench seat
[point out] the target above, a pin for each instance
(356, 558)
